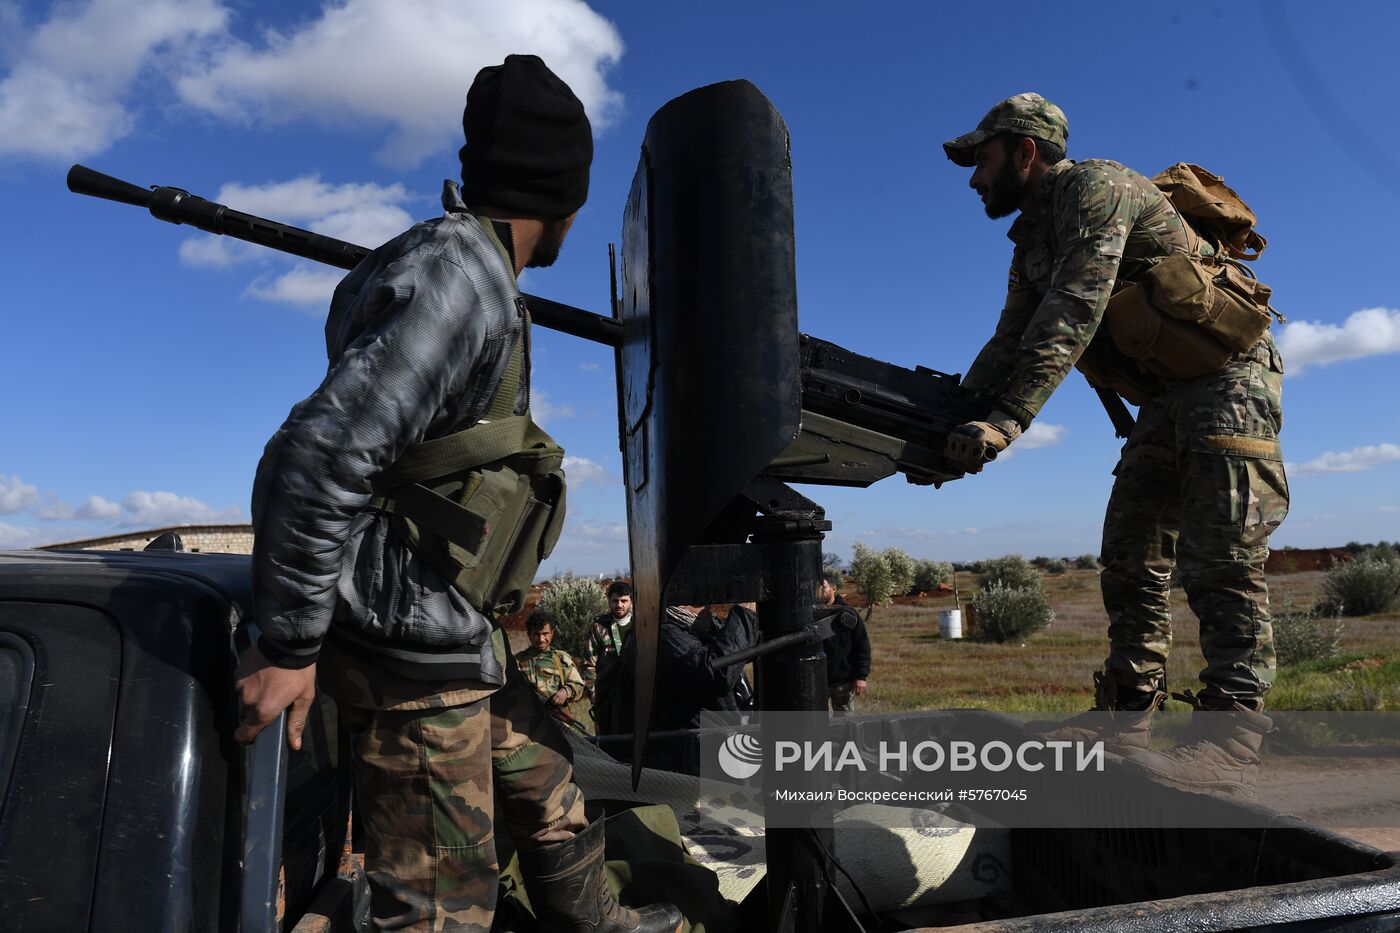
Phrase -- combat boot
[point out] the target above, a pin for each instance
(1121, 719)
(570, 893)
(1224, 761)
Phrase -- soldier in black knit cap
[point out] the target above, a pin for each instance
(359, 595)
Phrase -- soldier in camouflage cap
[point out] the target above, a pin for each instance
(1200, 483)
(1025, 115)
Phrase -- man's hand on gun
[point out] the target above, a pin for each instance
(973, 444)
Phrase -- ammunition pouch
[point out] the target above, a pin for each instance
(1188, 315)
(1106, 367)
(483, 507)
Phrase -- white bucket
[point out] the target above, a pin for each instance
(950, 623)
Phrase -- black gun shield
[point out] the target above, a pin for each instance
(709, 388)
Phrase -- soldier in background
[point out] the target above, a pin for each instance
(689, 638)
(847, 651)
(1200, 482)
(607, 633)
(551, 671)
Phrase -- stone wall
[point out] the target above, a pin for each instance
(209, 539)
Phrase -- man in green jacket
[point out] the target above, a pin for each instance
(1200, 483)
(551, 671)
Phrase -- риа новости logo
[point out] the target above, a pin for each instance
(740, 756)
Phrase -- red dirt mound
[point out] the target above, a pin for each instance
(1298, 560)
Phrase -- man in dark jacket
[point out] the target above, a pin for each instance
(421, 337)
(847, 652)
(690, 637)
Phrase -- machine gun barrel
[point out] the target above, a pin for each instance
(178, 206)
(916, 406)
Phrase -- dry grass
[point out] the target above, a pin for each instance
(915, 669)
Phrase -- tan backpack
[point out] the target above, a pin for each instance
(1191, 312)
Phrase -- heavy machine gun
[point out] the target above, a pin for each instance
(863, 419)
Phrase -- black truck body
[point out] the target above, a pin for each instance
(126, 806)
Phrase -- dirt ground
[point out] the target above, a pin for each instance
(1356, 797)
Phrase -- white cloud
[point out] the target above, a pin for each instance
(1352, 461)
(401, 66)
(362, 213)
(1370, 332)
(917, 534)
(63, 96)
(100, 516)
(595, 532)
(16, 495)
(405, 65)
(543, 410)
(153, 509)
(97, 508)
(306, 285)
(1040, 435)
(582, 471)
(218, 252)
(94, 508)
(14, 536)
(589, 367)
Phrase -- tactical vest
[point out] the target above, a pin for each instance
(483, 506)
(1191, 311)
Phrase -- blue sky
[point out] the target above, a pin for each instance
(146, 365)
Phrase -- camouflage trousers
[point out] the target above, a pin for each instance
(429, 782)
(1200, 486)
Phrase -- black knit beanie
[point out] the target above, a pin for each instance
(529, 143)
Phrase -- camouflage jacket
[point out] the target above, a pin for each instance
(605, 637)
(1092, 225)
(547, 671)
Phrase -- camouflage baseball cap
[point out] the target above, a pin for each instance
(1024, 114)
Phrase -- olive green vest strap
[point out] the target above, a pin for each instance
(438, 514)
(503, 402)
(483, 506)
(474, 447)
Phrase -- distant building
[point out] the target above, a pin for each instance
(209, 539)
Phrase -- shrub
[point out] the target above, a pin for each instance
(833, 568)
(1086, 562)
(1012, 571)
(1305, 635)
(1363, 586)
(901, 570)
(870, 572)
(929, 574)
(1057, 567)
(1382, 551)
(1007, 613)
(574, 602)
